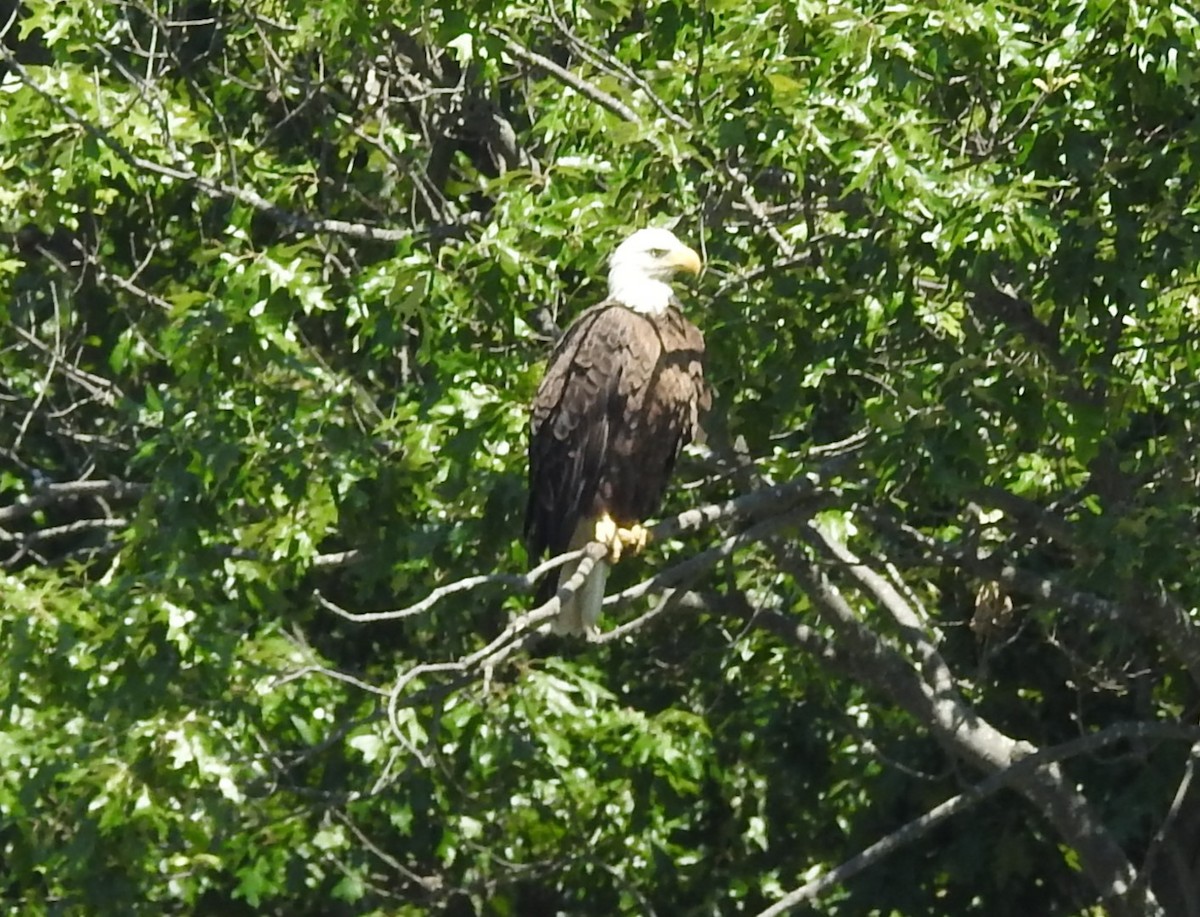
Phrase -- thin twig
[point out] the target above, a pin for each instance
(1168, 822)
(618, 69)
(566, 77)
(429, 883)
(517, 629)
(524, 582)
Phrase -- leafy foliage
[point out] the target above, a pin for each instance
(276, 286)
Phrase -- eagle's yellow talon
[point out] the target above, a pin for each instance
(635, 537)
(617, 539)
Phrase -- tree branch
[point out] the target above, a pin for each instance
(1167, 621)
(567, 78)
(924, 824)
(959, 727)
(247, 196)
(619, 69)
(911, 627)
(772, 503)
(50, 494)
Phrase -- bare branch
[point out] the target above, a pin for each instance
(523, 582)
(1168, 822)
(734, 280)
(100, 388)
(334, 674)
(567, 78)
(518, 630)
(964, 732)
(686, 572)
(182, 173)
(755, 207)
(773, 502)
(921, 826)
(670, 599)
(338, 559)
(698, 563)
(430, 883)
(911, 626)
(50, 494)
(617, 68)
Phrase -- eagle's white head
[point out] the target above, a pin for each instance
(642, 265)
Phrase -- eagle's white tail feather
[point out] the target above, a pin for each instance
(581, 611)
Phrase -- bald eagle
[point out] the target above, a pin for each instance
(623, 393)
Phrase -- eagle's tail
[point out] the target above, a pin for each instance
(581, 611)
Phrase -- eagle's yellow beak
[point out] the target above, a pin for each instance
(684, 259)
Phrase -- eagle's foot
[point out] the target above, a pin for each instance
(635, 537)
(617, 539)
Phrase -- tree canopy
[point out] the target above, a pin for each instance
(920, 629)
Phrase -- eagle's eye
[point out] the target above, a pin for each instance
(657, 252)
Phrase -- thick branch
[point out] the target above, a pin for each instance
(923, 825)
(957, 725)
(50, 494)
(911, 627)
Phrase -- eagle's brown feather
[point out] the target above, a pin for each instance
(623, 394)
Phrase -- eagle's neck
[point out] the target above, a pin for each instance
(640, 293)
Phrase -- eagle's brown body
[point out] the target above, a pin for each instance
(623, 394)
